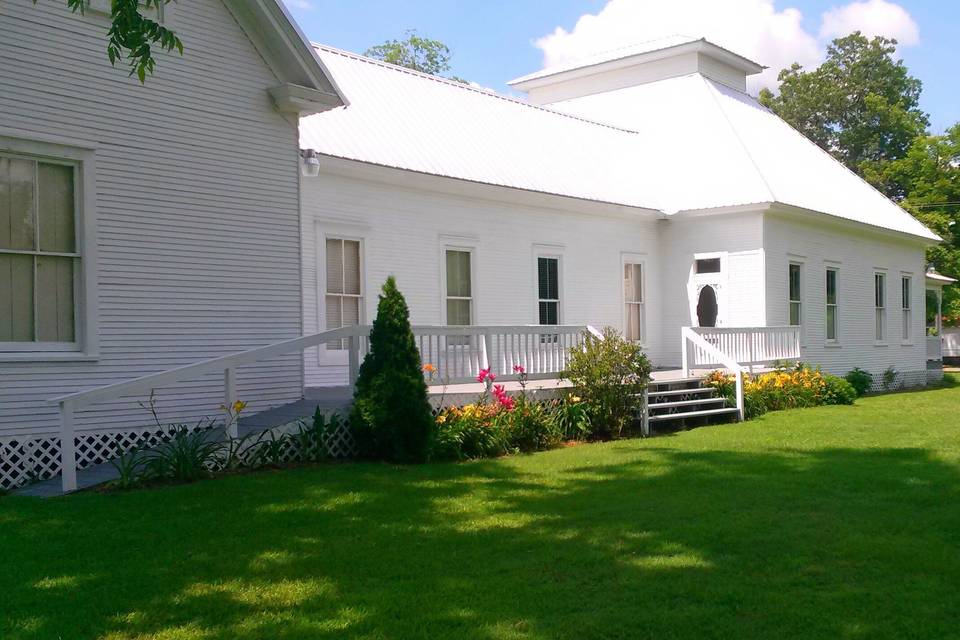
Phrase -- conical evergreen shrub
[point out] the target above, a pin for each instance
(391, 416)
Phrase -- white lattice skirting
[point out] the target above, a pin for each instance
(905, 380)
(30, 458)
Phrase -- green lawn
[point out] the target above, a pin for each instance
(836, 522)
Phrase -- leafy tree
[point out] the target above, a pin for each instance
(391, 416)
(131, 34)
(860, 105)
(414, 52)
(928, 176)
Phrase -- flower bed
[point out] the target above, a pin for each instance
(498, 424)
(784, 388)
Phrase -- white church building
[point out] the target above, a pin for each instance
(232, 246)
(642, 189)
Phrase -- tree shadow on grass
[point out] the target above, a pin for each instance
(612, 541)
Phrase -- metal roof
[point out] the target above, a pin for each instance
(681, 144)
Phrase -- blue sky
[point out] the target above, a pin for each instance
(495, 41)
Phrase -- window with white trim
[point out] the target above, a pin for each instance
(40, 258)
(795, 293)
(832, 305)
(905, 287)
(344, 291)
(459, 287)
(633, 301)
(548, 290)
(880, 305)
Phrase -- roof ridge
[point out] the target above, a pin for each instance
(468, 87)
(743, 145)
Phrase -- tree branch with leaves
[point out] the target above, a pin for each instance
(132, 35)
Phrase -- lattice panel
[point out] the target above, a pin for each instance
(101, 446)
(24, 460)
(902, 380)
(27, 460)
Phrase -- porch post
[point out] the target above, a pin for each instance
(683, 353)
(940, 314)
(353, 356)
(68, 453)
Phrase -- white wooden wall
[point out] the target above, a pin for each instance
(739, 240)
(404, 231)
(857, 254)
(197, 197)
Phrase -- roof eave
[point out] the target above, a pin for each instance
(287, 51)
(792, 210)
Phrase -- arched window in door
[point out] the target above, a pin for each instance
(707, 307)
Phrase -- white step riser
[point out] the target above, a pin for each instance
(686, 403)
(693, 414)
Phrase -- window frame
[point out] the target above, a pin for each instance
(358, 296)
(880, 320)
(795, 301)
(554, 252)
(470, 249)
(634, 259)
(906, 307)
(334, 229)
(835, 340)
(82, 157)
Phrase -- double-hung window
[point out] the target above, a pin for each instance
(633, 301)
(459, 287)
(548, 290)
(905, 305)
(40, 259)
(459, 293)
(880, 305)
(344, 291)
(832, 305)
(794, 274)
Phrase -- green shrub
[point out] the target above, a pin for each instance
(469, 432)
(187, 456)
(837, 391)
(609, 374)
(391, 415)
(572, 418)
(860, 380)
(527, 426)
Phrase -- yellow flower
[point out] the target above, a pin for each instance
(239, 406)
(441, 419)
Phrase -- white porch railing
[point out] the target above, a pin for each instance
(934, 348)
(458, 353)
(707, 352)
(749, 346)
(737, 349)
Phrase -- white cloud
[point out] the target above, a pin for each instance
(753, 28)
(303, 5)
(873, 18)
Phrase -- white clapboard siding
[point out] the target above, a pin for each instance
(197, 201)
(857, 255)
(404, 231)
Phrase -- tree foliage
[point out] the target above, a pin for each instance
(132, 35)
(391, 416)
(415, 52)
(860, 105)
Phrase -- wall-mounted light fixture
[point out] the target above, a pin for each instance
(309, 163)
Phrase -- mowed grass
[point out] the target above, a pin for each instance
(837, 522)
